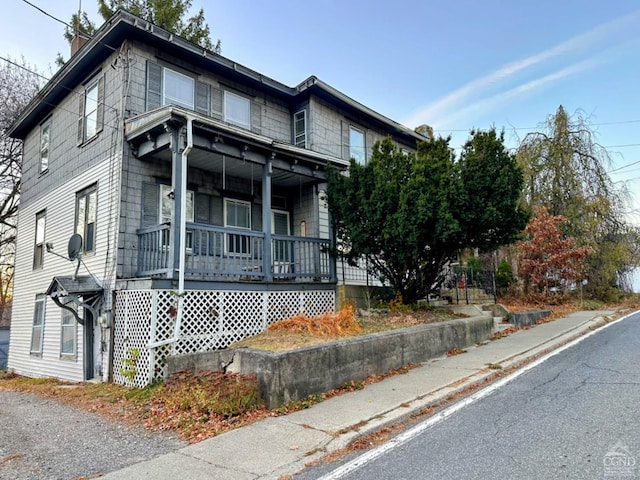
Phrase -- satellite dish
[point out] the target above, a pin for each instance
(75, 246)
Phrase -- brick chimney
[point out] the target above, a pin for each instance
(78, 41)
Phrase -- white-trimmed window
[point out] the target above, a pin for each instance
(91, 110)
(237, 214)
(86, 213)
(38, 249)
(237, 110)
(167, 202)
(45, 145)
(178, 89)
(68, 333)
(357, 146)
(37, 329)
(300, 129)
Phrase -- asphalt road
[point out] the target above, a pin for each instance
(576, 415)
(42, 439)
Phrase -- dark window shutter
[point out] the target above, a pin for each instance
(154, 85)
(217, 211)
(216, 103)
(203, 98)
(256, 123)
(100, 110)
(202, 208)
(346, 151)
(150, 204)
(81, 117)
(256, 217)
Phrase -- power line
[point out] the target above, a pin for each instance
(621, 146)
(624, 166)
(47, 14)
(70, 90)
(621, 122)
(66, 24)
(600, 124)
(33, 72)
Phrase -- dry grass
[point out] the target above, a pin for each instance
(302, 331)
(200, 407)
(340, 324)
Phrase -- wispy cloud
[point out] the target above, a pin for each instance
(448, 106)
(507, 96)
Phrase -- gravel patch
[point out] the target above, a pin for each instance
(41, 439)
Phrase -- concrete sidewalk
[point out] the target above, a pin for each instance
(283, 445)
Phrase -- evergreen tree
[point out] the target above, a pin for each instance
(172, 15)
(409, 215)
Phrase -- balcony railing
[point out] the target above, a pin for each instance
(233, 254)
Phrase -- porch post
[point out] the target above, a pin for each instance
(267, 170)
(175, 247)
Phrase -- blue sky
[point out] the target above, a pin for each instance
(453, 64)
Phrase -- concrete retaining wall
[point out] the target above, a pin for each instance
(293, 375)
(523, 319)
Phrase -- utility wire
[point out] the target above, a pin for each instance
(599, 124)
(47, 14)
(332, 145)
(33, 72)
(70, 90)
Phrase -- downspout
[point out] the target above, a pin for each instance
(183, 230)
(183, 238)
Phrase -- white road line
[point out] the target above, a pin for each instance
(367, 457)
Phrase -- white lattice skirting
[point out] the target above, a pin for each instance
(148, 328)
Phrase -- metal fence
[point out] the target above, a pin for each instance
(464, 285)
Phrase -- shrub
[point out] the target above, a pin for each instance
(504, 276)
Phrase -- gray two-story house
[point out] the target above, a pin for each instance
(172, 202)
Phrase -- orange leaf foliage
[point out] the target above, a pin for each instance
(339, 324)
(549, 258)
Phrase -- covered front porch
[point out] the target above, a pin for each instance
(235, 206)
(208, 256)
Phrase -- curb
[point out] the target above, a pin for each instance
(440, 398)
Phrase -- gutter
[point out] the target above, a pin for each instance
(313, 81)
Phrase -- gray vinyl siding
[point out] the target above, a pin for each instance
(305, 208)
(60, 205)
(67, 159)
(328, 130)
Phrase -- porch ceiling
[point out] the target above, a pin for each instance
(234, 167)
(219, 147)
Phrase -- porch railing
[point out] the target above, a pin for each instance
(233, 254)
